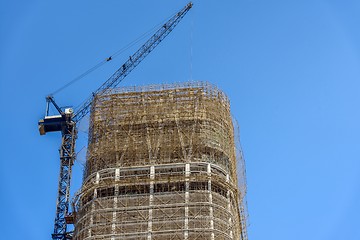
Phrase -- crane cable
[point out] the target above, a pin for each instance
(191, 45)
(115, 54)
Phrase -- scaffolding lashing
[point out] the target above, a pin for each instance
(162, 164)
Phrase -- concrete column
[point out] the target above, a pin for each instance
(186, 221)
(97, 180)
(228, 197)
(116, 194)
(211, 210)
(151, 200)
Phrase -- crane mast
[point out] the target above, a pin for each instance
(65, 122)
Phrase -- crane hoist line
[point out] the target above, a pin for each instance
(66, 119)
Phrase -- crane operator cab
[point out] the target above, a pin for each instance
(55, 123)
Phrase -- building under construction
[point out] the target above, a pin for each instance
(162, 164)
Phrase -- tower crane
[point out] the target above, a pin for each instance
(66, 120)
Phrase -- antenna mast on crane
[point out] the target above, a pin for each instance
(65, 122)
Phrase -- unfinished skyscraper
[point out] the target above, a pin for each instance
(161, 164)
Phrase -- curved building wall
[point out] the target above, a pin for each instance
(161, 164)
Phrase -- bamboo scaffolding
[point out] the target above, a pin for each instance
(161, 164)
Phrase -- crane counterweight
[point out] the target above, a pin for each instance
(55, 123)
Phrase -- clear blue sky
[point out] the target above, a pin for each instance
(290, 68)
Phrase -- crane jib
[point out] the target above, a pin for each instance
(133, 61)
